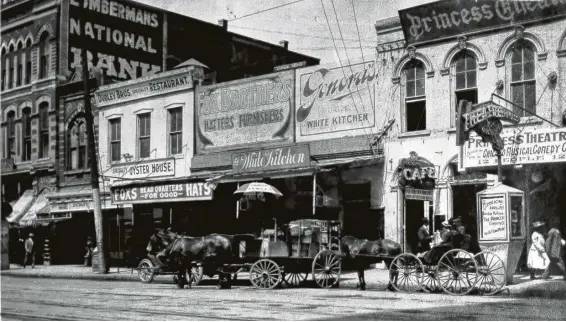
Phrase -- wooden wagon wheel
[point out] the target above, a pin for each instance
(196, 275)
(326, 268)
(491, 273)
(145, 271)
(456, 272)
(406, 273)
(295, 279)
(430, 280)
(265, 274)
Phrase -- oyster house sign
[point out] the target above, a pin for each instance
(446, 19)
(272, 159)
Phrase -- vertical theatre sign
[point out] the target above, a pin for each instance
(336, 99)
(447, 19)
(123, 39)
(244, 112)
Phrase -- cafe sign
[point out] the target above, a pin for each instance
(150, 193)
(144, 169)
(272, 159)
(336, 99)
(522, 146)
(448, 19)
(416, 172)
(245, 112)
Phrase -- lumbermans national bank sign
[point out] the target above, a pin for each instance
(245, 112)
(446, 19)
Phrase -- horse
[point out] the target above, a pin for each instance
(352, 246)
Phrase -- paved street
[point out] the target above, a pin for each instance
(63, 299)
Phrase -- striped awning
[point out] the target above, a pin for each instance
(40, 205)
(21, 206)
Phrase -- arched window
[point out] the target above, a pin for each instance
(4, 72)
(11, 135)
(10, 64)
(27, 79)
(77, 147)
(43, 55)
(522, 81)
(415, 99)
(26, 130)
(20, 66)
(464, 71)
(44, 130)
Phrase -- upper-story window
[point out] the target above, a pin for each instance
(522, 82)
(115, 126)
(10, 63)
(11, 135)
(415, 99)
(175, 130)
(43, 55)
(43, 130)
(27, 79)
(4, 72)
(20, 66)
(26, 131)
(464, 69)
(144, 135)
(77, 147)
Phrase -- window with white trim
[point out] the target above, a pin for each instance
(43, 56)
(464, 69)
(175, 130)
(144, 135)
(522, 82)
(11, 135)
(26, 131)
(43, 130)
(415, 99)
(115, 126)
(27, 79)
(77, 147)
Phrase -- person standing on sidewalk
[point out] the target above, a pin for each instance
(537, 258)
(553, 249)
(30, 251)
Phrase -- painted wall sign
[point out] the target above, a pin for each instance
(145, 87)
(124, 40)
(493, 218)
(144, 169)
(271, 159)
(190, 191)
(446, 19)
(522, 146)
(418, 194)
(486, 110)
(245, 112)
(337, 99)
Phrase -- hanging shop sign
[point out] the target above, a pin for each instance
(418, 194)
(178, 79)
(416, 172)
(77, 206)
(493, 218)
(245, 112)
(144, 169)
(272, 159)
(486, 110)
(522, 146)
(447, 19)
(191, 191)
(336, 99)
(123, 39)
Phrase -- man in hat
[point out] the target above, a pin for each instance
(553, 250)
(29, 246)
(446, 232)
(424, 237)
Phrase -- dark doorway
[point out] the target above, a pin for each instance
(414, 212)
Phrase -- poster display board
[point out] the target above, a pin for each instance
(493, 218)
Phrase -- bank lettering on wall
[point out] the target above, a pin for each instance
(337, 99)
(122, 39)
(238, 113)
(522, 146)
(493, 218)
(445, 19)
(162, 193)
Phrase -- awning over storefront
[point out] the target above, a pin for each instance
(21, 206)
(77, 199)
(40, 204)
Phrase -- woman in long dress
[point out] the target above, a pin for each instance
(537, 259)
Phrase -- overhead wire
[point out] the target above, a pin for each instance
(265, 10)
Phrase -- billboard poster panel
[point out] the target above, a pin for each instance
(335, 99)
(123, 39)
(246, 112)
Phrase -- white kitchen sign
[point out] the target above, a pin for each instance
(522, 146)
(493, 218)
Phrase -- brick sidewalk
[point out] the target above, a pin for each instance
(375, 279)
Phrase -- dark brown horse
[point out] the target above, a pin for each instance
(353, 247)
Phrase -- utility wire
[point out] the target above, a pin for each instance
(265, 10)
(298, 34)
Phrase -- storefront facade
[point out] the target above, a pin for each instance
(428, 75)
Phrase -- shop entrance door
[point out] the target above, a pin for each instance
(414, 212)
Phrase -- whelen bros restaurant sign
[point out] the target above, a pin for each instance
(188, 191)
(336, 99)
(446, 19)
(144, 169)
(122, 38)
(522, 146)
(244, 112)
(272, 159)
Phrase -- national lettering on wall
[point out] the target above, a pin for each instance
(447, 19)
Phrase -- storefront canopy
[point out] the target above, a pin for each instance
(40, 205)
(20, 207)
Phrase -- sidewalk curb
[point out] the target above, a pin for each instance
(101, 277)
